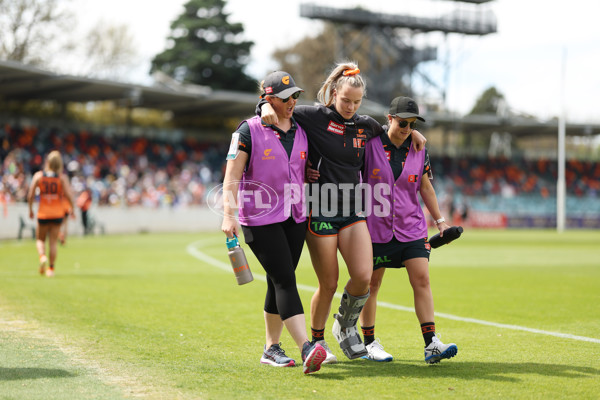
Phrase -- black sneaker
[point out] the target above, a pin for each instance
(276, 357)
(313, 355)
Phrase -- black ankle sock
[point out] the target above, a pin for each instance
(368, 334)
(317, 334)
(428, 331)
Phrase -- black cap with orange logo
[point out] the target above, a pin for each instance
(280, 84)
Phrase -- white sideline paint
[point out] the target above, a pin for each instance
(192, 249)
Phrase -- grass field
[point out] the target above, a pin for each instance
(160, 316)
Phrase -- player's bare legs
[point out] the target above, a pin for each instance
(323, 254)
(418, 275)
(355, 247)
(53, 231)
(368, 313)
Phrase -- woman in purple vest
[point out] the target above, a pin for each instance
(265, 176)
(396, 174)
(336, 137)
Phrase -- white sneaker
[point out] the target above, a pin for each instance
(331, 358)
(376, 352)
(438, 350)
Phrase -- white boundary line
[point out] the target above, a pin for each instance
(192, 249)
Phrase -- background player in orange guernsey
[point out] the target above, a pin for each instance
(53, 185)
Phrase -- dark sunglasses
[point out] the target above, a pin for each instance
(294, 96)
(403, 124)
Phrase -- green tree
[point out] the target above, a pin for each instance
(490, 101)
(205, 49)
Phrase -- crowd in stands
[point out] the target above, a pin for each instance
(475, 177)
(119, 170)
(132, 171)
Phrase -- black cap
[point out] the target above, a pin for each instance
(280, 84)
(405, 107)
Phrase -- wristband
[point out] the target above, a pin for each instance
(439, 221)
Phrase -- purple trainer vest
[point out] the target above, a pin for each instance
(405, 220)
(272, 187)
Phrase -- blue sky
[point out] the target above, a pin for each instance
(524, 60)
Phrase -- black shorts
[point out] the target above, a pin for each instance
(393, 253)
(50, 221)
(331, 226)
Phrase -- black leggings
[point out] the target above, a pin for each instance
(278, 247)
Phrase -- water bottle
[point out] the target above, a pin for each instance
(450, 234)
(238, 261)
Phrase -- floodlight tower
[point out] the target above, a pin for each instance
(391, 70)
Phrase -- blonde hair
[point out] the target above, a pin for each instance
(261, 87)
(55, 162)
(337, 79)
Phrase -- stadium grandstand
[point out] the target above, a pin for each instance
(483, 181)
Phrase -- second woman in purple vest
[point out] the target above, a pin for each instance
(396, 174)
(268, 162)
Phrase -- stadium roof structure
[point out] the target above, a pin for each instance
(517, 125)
(21, 83)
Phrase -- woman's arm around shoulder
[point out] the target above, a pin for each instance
(418, 140)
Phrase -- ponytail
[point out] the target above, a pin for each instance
(343, 73)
